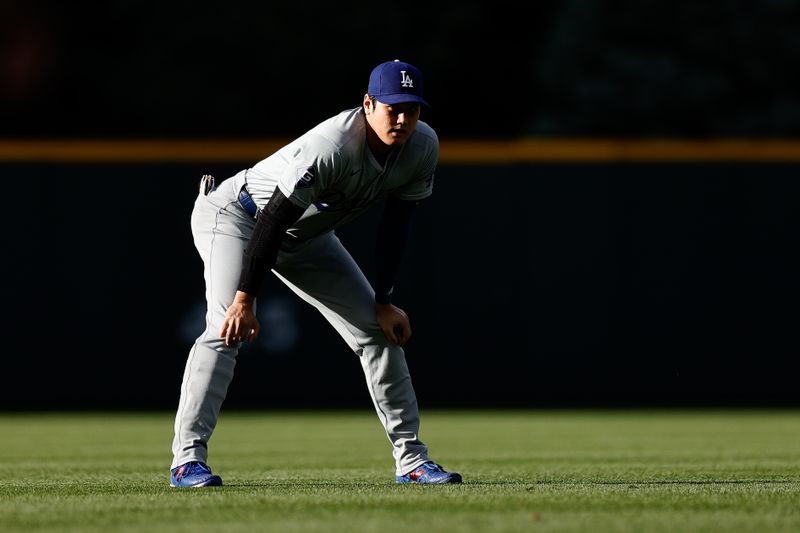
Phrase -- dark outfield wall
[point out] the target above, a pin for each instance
(538, 285)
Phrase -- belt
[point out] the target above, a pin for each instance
(246, 201)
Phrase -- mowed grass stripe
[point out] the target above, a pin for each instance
(558, 470)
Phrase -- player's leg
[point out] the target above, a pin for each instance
(220, 228)
(324, 274)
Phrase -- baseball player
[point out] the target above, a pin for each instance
(280, 215)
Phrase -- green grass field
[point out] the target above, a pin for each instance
(560, 470)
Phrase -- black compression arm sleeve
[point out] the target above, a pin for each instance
(262, 249)
(393, 233)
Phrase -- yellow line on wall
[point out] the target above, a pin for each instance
(490, 152)
(611, 150)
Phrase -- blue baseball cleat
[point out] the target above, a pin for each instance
(430, 474)
(193, 474)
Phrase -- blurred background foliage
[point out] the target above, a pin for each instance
(570, 68)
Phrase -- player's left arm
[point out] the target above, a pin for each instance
(393, 235)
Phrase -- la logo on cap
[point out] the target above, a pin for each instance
(406, 79)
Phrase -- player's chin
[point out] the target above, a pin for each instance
(397, 137)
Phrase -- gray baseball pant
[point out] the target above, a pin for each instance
(322, 273)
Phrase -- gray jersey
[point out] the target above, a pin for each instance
(330, 171)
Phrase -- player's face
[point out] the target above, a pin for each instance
(394, 123)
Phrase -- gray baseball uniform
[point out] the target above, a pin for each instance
(331, 173)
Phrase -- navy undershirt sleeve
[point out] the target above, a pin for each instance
(262, 249)
(393, 233)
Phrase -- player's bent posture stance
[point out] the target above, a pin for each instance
(280, 215)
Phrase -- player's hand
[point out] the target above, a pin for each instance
(240, 322)
(394, 323)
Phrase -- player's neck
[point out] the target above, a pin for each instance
(380, 151)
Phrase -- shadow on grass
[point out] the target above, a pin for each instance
(526, 484)
(669, 482)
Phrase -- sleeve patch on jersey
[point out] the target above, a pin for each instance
(306, 176)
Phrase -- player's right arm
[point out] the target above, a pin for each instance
(259, 257)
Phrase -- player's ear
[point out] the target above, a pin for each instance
(367, 104)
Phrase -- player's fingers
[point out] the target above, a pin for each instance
(231, 333)
(390, 334)
(405, 333)
(399, 335)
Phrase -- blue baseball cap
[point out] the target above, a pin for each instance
(396, 82)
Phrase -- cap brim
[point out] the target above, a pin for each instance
(401, 98)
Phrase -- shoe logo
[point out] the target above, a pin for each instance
(406, 80)
(180, 473)
(416, 474)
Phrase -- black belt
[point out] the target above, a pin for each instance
(246, 201)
